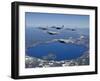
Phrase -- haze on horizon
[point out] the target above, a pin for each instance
(33, 19)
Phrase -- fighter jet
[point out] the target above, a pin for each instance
(58, 27)
(52, 32)
(43, 28)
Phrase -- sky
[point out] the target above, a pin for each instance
(33, 19)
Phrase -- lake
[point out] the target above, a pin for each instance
(59, 50)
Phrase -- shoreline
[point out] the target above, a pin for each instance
(33, 62)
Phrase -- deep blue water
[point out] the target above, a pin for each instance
(60, 50)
